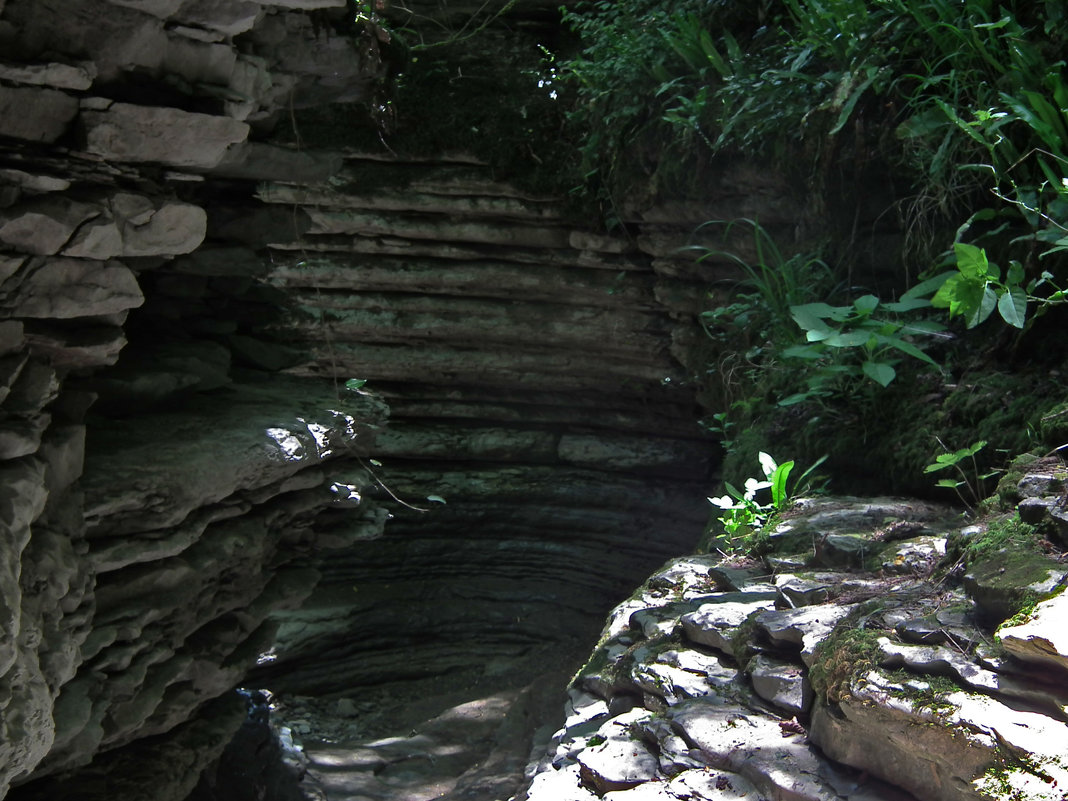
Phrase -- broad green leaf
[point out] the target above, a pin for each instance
(778, 484)
(796, 398)
(1012, 306)
(907, 305)
(948, 482)
(940, 463)
(808, 319)
(851, 103)
(849, 339)
(925, 288)
(985, 308)
(908, 348)
(964, 297)
(879, 372)
(866, 304)
(946, 295)
(819, 336)
(806, 314)
(803, 352)
(355, 383)
(435, 498)
(1015, 275)
(922, 124)
(923, 327)
(971, 260)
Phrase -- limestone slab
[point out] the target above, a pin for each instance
(126, 132)
(64, 288)
(37, 115)
(715, 623)
(1043, 639)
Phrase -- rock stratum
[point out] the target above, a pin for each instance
(197, 482)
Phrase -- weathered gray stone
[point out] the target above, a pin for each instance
(804, 628)
(26, 731)
(63, 288)
(157, 8)
(1043, 638)
(781, 684)
(173, 228)
(42, 226)
(623, 453)
(564, 784)
(844, 550)
(1036, 485)
(145, 482)
(678, 674)
(22, 499)
(1036, 510)
(11, 336)
(59, 76)
(230, 17)
(21, 436)
(715, 623)
(622, 760)
(917, 555)
(91, 346)
(996, 582)
(944, 747)
(757, 748)
(308, 4)
(207, 66)
(803, 590)
(37, 115)
(170, 136)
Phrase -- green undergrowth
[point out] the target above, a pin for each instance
(743, 639)
(1007, 533)
(843, 657)
(852, 651)
(879, 440)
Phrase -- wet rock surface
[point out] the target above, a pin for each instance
(871, 683)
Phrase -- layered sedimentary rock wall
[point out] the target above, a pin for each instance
(144, 552)
(185, 301)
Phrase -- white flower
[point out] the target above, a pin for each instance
(752, 486)
(724, 502)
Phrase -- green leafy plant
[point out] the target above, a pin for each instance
(977, 288)
(862, 327)
(970, 479)
(743, 516)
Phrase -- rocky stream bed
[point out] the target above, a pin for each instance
(866, 665)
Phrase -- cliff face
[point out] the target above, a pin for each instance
(185, 457)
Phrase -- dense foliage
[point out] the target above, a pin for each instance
(965, 99)
(961, 106)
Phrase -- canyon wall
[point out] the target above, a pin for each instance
(196, 478)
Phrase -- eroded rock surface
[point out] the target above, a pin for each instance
(823, 689)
